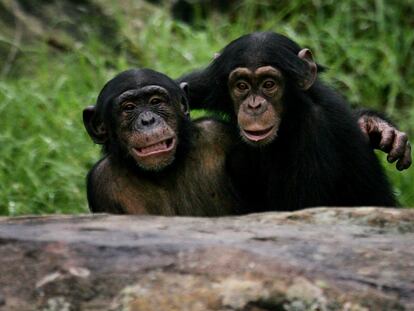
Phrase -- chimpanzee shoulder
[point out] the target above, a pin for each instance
(215, 132)
(99, 189)
(114, 189)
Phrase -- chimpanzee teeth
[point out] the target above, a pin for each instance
(156, 147)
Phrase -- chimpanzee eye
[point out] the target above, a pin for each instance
(128, 106)
(242, 86)
(268, 84)
(155, 101)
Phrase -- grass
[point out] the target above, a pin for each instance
(45, 152)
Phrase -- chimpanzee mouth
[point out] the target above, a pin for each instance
(157, 148)
(258, 135)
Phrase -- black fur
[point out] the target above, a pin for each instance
(320, 157)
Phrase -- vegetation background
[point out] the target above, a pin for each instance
(55, 57)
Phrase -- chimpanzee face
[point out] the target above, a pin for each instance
(138, 116)
(258, 90)
(146, 126)
(257, 101)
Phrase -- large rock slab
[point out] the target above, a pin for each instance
(316, 259)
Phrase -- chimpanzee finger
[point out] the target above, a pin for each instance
(387, 139)
(398, 147)
(363, 125)
(406, 160)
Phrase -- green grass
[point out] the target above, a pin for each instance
(45, 152)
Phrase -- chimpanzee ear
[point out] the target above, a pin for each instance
(184, 102)
(216, 55)
(184, 87)
(94, 125)
(307, 82)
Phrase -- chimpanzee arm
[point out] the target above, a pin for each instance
(100, 199)
(207, 88)
(384, 135)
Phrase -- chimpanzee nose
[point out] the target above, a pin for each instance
(147, 118)
(255, 104)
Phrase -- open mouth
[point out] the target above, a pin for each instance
(258, 135)
(157, 148)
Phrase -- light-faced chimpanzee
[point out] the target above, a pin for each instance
(300, 144)
(156, 160)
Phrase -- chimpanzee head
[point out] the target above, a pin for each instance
(140, 117)
(259, 70)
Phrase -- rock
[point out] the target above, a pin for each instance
(61, 22)
(317, 259)
(66, 26)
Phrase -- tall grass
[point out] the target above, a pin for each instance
(45, 152)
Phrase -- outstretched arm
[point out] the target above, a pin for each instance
(207, 87)
(385, 136)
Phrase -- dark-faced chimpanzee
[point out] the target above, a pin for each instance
(156, 161)
(300, 145)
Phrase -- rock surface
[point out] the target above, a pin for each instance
(317, 259)
(65, 25)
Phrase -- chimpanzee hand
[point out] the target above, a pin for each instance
(385, 136)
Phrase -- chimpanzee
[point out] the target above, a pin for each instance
(156, 160)
(300, 144)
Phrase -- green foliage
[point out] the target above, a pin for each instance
(45, 152)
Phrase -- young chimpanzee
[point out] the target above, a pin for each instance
(156, 161)
(300, 144)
